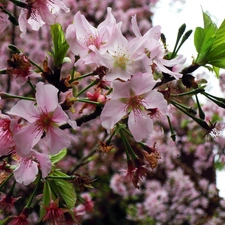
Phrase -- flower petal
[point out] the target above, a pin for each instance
(26, 138)
(142, 83)
(61, 5)
(57, 140)
(45, 163)
(140, 125)
(121, 89)
(46, 97)
(25, 109)
(113, 111)
(59, 116)
(26, 171)
(156, 100)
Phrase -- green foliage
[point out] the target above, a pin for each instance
(210, 44)
(219, 165)
(5, 221)
(46, 198)
(58, 187)
(56, 158)
(60, 46)
(64, 189)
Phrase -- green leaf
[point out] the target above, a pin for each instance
(47, 195)
(219, 36)
(216, 70)
(198, 38)
(56, 158)
(218, 63)
(217, 53)
(60, 46)
(204, 38)
(65, 189)
(208, 22)
(210, 45)
(54, 188)
(219, 165)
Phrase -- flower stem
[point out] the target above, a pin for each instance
(193, 92)
(110, 138)
(86, 100)
(86, 88)
(5, 181)
(201, 122)
(33, 194)
(83, 76)
(19, 3)
(129, 151)
(200, 111)
(4, 95)
(179, 35)
(173, 134)
(31, 85)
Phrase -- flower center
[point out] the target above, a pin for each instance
(121, 61)
(92, 40)
(44, 121)
(135, 103)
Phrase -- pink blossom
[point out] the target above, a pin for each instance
(81, 35)
(123, 58)
(156, 51)
(7, 126)
(44, 118)
(138, 99)
(86, 207)
(39, 12)
(27, 169)
(4, 22)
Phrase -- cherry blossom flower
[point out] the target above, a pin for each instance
(44, 118)
(27, 169)
(156, 52)
(7, 125)
(157, 57)
(81, 35)
(39, 12)
(4, 22)
(123, 58)
(138, 99)
(86, 207)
